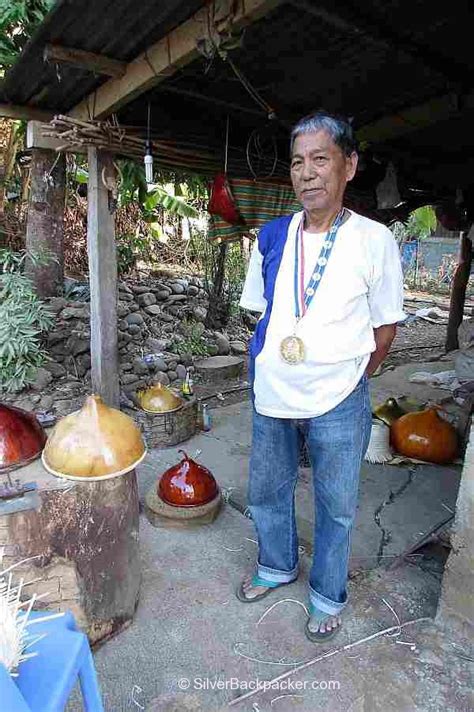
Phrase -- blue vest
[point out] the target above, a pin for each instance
(271, 243)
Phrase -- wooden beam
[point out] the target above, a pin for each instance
(458, 290)
(102, 279)
(17, 111)
(162, 60)
(89, 61)
(415, 118)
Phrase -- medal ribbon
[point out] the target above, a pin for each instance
(304, 297)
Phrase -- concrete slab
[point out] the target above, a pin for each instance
(189, 626)
(395, 382)
(396, 504)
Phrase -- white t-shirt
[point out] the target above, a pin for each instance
(361, 289)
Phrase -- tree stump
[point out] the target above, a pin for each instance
(85, 544)
(220, 368)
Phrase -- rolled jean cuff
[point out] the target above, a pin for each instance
(325, 604)
(275, 576)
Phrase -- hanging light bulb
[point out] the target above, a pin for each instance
(148, 160)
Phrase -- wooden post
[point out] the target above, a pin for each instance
(45, 222)
(102, 278)
(458, 290)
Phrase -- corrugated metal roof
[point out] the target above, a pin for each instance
(119, 29)
(367, 61)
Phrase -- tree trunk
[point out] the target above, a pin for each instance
(458, 290)
(44, 230)
(218, 311)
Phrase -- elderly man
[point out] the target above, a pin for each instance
(329, 285)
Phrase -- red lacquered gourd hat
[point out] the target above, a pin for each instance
(21, 437)
(187, 484)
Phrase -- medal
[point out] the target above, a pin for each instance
(292, 348)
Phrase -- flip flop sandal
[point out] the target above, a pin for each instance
(256, 581)
(320, 617)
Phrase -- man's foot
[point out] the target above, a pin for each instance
(322, 626)
(253, 589)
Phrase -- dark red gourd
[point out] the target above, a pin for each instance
(187, 484)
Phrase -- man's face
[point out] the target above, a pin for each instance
(320, 171)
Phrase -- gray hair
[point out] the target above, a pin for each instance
(338, 128)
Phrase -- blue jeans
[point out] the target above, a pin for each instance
(337, 442)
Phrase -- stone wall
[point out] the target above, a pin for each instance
(160, 332)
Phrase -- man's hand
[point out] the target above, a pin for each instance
(383, 335)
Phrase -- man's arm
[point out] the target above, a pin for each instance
(383, 335)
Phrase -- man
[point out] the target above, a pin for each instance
(329, 285)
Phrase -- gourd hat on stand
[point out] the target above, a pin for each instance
(95, 443)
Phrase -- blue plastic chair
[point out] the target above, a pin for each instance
(45, 682)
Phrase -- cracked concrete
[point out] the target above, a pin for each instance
(397, 504)
(386, 533)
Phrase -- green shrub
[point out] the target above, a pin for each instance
(193, 342)
(23, 318)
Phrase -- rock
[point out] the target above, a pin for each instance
(123, 337)
(75, 313)
(55, 368)
(84, 360)
(42, 379)
(58, 351)
(123, 286)
(153, 310)
(181, 372)
(193, 291)
(46, 402)
(172, 375)
(133, 307)
(126, 296)
(55, 304)
(57, 336)
(139, 289)
(127, 366)
(155, 346)
(134, 329)
(165, 317)
(129, 378)
(172, 364)
(177, 288)
(177, 298)
(134, 319)
(199, 313)
(175, 311)
(223, 344)
(122, 310)
(162, 378)
(75, 345)
(139, 366)
(238, 347)
(162, 295)
(122, 325)
(146, 299)
(159, 364)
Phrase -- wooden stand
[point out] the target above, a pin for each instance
(168, 429)
(84, 540)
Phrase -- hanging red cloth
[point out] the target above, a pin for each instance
(222, 201)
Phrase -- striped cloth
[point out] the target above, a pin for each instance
(258, 203)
